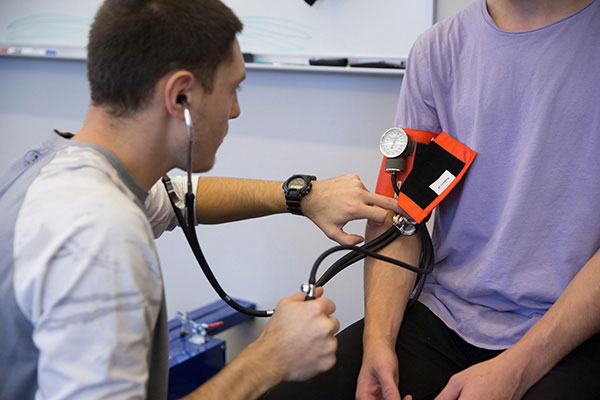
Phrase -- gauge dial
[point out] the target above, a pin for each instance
(393, 142)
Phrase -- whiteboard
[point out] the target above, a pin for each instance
(329, 28)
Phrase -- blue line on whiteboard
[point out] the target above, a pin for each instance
(278, 26)
(59, 29)
(270, 34)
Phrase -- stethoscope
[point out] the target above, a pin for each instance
(184, 212)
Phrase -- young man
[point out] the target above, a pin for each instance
(512, 308)
(81, 295)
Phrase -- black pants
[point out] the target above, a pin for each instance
(429, 354)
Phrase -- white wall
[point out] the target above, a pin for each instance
(323, 124)
(447, 8)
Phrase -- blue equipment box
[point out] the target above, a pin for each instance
(190, 364)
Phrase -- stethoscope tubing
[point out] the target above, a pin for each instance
(356, 253)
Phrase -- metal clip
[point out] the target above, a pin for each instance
(188, 326)
(172, 195)
(406, 226)
(309, 289)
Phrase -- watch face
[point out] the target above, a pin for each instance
(296, 183)
(393, 142)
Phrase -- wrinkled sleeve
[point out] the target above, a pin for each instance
(158, 207)
(416, 106)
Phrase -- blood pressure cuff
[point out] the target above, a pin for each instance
(434, 168)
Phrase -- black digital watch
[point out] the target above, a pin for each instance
(295, 188)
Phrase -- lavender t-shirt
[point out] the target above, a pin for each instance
(526, 218)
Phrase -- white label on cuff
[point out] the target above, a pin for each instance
(442, 182)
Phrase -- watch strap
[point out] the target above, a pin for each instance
(293, 206)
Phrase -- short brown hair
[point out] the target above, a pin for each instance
(134, 43)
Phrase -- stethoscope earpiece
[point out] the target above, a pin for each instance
(182, 99)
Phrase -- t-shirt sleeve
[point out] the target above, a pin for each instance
(158, 206)
(416, 105)
(90, 284)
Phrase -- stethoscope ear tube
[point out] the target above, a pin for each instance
(193, 241)
(189, 231)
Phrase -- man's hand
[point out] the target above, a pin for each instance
(297, 343)
(299, 338)
(494, 379)
(378, 377)
(334, 202)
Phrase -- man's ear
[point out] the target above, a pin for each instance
(178, 93)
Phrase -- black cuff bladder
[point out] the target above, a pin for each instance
(433, 167)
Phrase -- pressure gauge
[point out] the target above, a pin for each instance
(394, 143)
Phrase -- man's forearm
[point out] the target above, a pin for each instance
(221, 200)
(247, 377)
(569, 322)
(388, 287)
